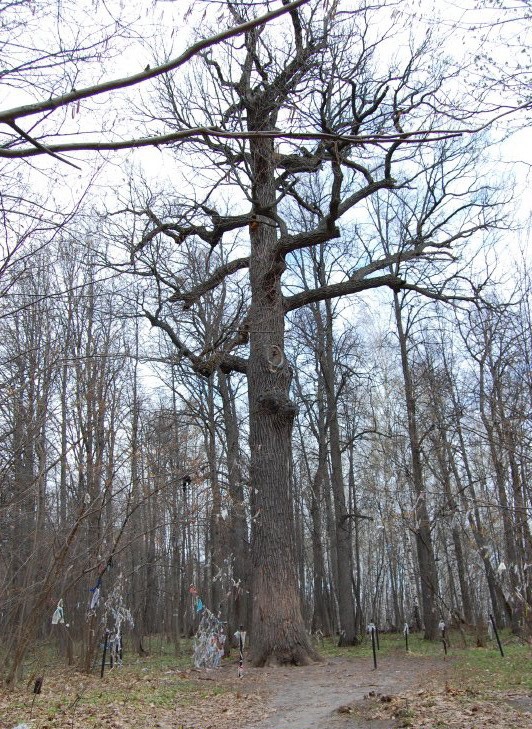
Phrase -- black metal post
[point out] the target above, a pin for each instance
(36, 690)
(496, 634)
(241, 656)
(406, 631)
(104, 652)
(377, 637)
(373, 647)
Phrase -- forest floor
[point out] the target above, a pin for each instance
(468, 689)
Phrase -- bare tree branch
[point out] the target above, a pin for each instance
(332, 291)
(192, 295)
(57, 102)
(415, 138)
(202, 366)
(41, 147)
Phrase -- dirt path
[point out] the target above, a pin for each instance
(309, 698)
(414, 691)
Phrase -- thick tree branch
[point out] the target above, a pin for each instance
(179, 233)
(403, 256)
(192, 295)
(322, 234)
(327, 229)
(298, 31)
(206, 132)
(10, 115)
(202, 366)
(333, 291)
(385, 184)
(358, 282)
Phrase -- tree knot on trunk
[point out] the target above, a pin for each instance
(272, 277)
(278, 403)
(275, 358)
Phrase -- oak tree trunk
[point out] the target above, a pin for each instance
(278, 631)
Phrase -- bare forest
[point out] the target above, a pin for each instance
(265, 323)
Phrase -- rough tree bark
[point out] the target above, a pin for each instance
(279, 633)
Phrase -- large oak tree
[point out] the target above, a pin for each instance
(360, 110)
(289, 126)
